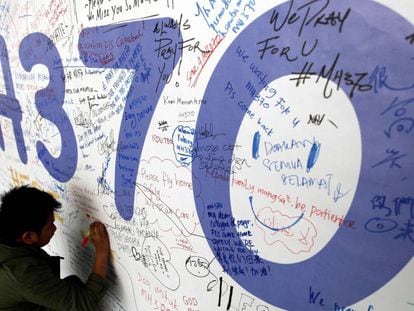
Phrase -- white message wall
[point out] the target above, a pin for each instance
(244, 155)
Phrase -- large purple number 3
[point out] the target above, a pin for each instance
(36, 48)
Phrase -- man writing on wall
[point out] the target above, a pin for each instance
(29, 277)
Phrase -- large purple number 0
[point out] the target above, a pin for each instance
(135, 46)
(355, 263)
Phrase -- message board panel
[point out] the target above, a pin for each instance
(244, 155)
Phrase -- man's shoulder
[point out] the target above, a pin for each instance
(19, 258)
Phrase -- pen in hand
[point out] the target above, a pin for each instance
(86, 238)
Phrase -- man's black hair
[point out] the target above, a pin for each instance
(24, 209)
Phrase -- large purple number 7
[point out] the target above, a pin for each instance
(152, 55)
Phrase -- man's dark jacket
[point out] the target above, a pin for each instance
(30, 280)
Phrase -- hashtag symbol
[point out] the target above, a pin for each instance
(306, 73)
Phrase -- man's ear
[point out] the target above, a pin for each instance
(29, 238)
